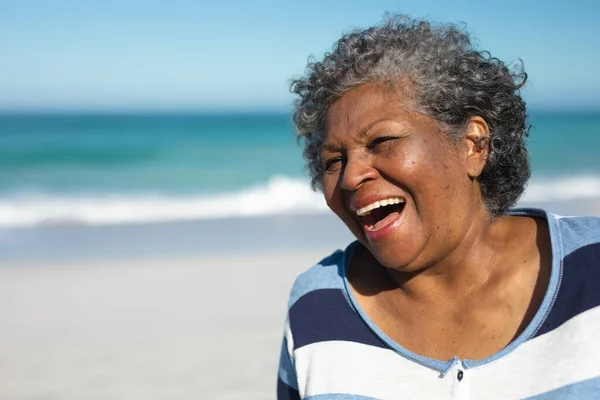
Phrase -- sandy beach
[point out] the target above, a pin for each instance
(191, 328)
(187, 310)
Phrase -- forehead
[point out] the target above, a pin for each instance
(357, 110)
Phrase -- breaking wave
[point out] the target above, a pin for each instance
(280, 195)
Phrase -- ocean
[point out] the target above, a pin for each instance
(100, 169)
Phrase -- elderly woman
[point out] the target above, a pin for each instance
(417, 141)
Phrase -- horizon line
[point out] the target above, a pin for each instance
(226, 111)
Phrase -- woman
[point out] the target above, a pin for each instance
(417, 141)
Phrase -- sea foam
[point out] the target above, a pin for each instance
(279, 196)
(567, 188)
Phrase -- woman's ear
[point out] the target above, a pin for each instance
(477, 138)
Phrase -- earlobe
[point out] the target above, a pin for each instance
(477, 137)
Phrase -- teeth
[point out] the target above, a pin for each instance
(382, 203)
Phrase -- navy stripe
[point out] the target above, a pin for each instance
(340, 396)
(325, 314)
(588, 389)
(578, 290)
(285, 392)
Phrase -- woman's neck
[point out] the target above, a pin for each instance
(477, 260)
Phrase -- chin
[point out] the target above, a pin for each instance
(393, 251)
(394, 262)
(390, 257)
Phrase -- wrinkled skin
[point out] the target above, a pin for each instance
(377, 147)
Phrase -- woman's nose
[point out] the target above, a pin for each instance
(356, 171)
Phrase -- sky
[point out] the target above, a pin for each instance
(240, 55)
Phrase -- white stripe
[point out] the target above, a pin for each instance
(566, 355)
(287, 333)
(360, 369)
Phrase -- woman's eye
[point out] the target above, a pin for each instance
(381, 140)
(332, 163)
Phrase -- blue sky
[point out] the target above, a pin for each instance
(240, 55)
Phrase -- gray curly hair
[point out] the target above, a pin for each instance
(451, 81)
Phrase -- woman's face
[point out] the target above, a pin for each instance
(396, 180)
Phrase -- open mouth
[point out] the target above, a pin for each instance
(380, 214)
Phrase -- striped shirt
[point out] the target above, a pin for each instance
(333, 350)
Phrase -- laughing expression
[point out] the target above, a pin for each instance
(395, 179)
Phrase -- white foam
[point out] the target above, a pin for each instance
(280, 195)
(561, 189)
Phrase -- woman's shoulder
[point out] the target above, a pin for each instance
(568, 233)
(320, 310)
(577, 232)
(327, 274)
(579, 246)
(576, 275)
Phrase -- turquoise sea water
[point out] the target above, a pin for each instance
(176, 154)
(143, 167)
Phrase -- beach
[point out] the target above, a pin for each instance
(159, 185)
(181, 310)
(151, 256)
(156, 317)
(184, 328)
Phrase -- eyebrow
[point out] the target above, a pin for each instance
(367, 128)
(362, 133)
